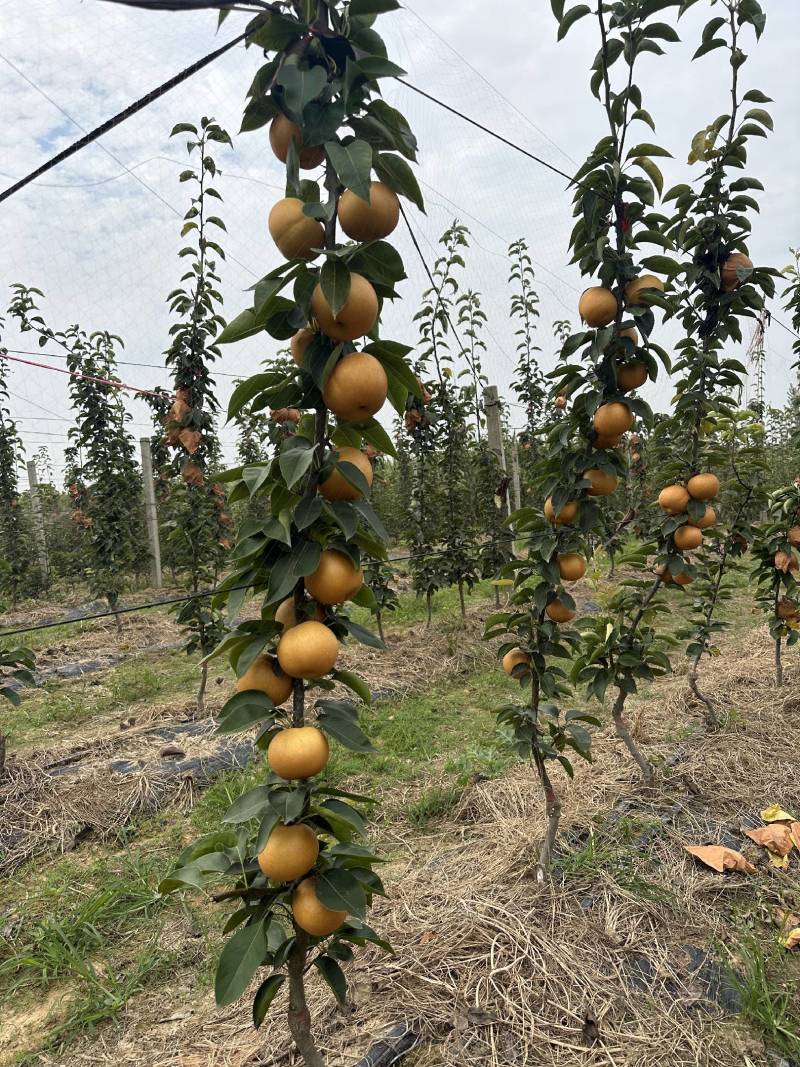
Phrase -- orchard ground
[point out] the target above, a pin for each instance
(632, 954)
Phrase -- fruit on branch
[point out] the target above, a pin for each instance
(708, 519)
(571, 566)
(286, 613)
(336, 486)
(356, 388)
(298, 752)
(674, 499)
(687, 537)
(560, 402)
(566, 513)
(670, 579)
(355, 318)
(786, 609)
(299, 343)
(703, 486)
(605, 440)
(371, 221)
(597, 306)
(513, 658)
(308, 650)
(631, 333)
(290, 852)
(785, 561)
(558, 611)
(793, 536)
(730, 279)
(336, 578)
(261, 675)
(603, 483)
(612, 420)
(282, 131)
(631, 375)
(310, 914)
(636, 290)
(296, 235)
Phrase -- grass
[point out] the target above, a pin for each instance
(769, 997)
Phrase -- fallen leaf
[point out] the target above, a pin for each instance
(719, 858)
(776, 837)
(789, 923)
(775, 813)
(781, 862)
(794, 830)
(427, 936)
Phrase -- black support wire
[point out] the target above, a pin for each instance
(110, 124)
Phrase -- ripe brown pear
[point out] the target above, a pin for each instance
(635, 290)
(560, 402)
(565, 515)
(730, 279)
(631, 333)
(603, 483)
(613, 420)
(286, 615)
(674, 499)
(604, 440)
(356, 388)
(308, 650)
(261, 675)
(708, 518)
(687, 537)
(371, 221)
(597, 306)
(355, 318)
(310, 914)
(703, 486)
(793, 536)
(336, 486)
(299, 343)
(282, 131)
(571, 566)
(336, 578)
(290, 852)
(513, 657)
(786, 609)
(298, 752)
(631, 375)
(296, 235)
(559, 612)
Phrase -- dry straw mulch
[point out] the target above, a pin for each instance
(602, 967)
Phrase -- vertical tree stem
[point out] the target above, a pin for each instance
(621, 727)
(298, 1015)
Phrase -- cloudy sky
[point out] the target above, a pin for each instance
(99, 234)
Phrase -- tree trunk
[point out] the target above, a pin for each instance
(2, 754)
(497, 596)
(552, 807)
(429, 600)
(298, 1015)
(201, 692)
(461, 600)
(711, 717)
(379, 624)
(645, 766)
(778, 663)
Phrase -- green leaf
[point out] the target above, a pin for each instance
(264, 997)
(183, 127)
(346, 732)
(300, 86)
(241, 957)
(762, 116)
(277, 32)
(648, 150)
(398, 175)
(571, 17)
(353, 165)
(250, 805)
(652, 172)
(360, 8)
(244, 709)
(244, 325)
(335, 281)
(334, 976)
(662, 265)
(755, 96)
(379, 67)
(352, 681)
(362, 634)
(297, 455)
(340, 890)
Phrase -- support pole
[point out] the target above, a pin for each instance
(38, 518)
(150, 513)
(515, 483)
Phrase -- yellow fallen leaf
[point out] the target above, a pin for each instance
(775, 813)
(781, 862)
(776, 837)
(789, 923)
(719, 858)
